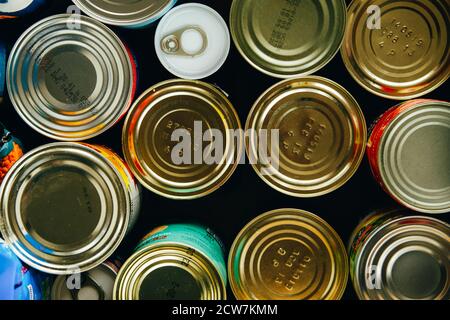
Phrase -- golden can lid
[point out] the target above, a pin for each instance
(315, 136)
(159, 157)
(168, 272)
(286, 38)
(288, 254)
(398, 49)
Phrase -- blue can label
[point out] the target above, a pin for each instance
(2, 68)
(17, 281)
(198, 238)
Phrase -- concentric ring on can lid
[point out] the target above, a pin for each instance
(64, 208)
(144, 276)
(314, 136)
(129, 13)
(414, 156)
(407, 55)
(288, 254)
(70, 79)
(200, 40)
(153, 135)
(410, 258)
(288, 38)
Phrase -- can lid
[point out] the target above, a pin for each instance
(125, 13)
(406, 259)
(168, 272)
(64, 208)
(403, 54)
(70, 78)
(288, 254)
(288, 38)
(316, 130)
(95, 284)
(414, 157)
(149, 145)
(192, 41)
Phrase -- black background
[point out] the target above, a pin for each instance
(245, 195)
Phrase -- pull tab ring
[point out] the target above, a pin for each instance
(171, 44)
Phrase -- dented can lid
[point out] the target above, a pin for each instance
(192, 41)
(288, 38)
(128, 13)
(414, 158)
(149, 146)
(398, 49)
(64, 208)
(70, 78)
(316, 136)
(288, 254)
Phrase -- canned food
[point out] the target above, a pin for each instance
(397, 257)
(408, 151)
(95, 284)
(287, 38)
(10, 9)
(65, 207)
(174, 262)
(398, 49)
(192, 41)
(170, 129)
(316, 136)
(19, 282)
(10, 151)
(288, 254)
(131, 14)
(70, 78)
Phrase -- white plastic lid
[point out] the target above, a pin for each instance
(14, 5)
(197, 41)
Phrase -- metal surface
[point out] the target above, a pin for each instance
(322, 134)
(65, 207)
(70, 79)
(408, 56)
(286, 38)
(147, 138)
(395, 257)
(288, 254)
(409, 148)
(129, 13)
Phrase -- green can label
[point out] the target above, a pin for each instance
(198, 238)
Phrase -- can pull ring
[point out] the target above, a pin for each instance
(87, 281)
(189, 41)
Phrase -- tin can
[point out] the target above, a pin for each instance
(18, 281)
(288, 254)
(138, 14)
(395, 256)
(192, 41)
(70, 78)
(65, 207)
(315, 134)
(175, 262)
(95, 284)
(167, 139)
(11, 150)
(10, 9)
(398, 49)
(287, 38)
(408, 151)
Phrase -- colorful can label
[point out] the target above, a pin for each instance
(10, 151)
(19, 282)
(199, 238)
